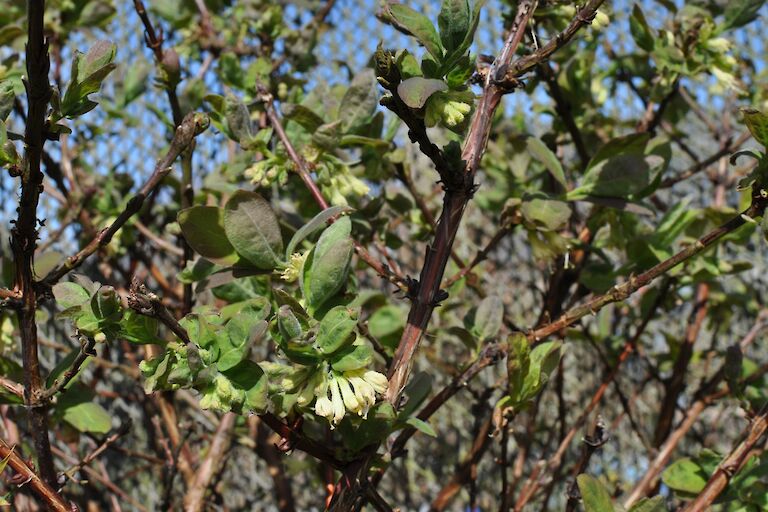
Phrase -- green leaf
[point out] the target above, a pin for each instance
(594, 495)
(488, 318)
(417, 390)
(203, 229)
(640, 30)
(69, 295)
(134, 82)
(543, 154)
(685, 476)
(416, 24)
(386, 324)
(421, 425)
(238, 119)
(64, 365)
(88, 72)
(452, 58)
(548, 214)
(352, 358)
(327, 136)
(336, 329)
(740, 12)
(303, 116)
(757, 122)
(7, 97)
(241, 331)
(140, 329)
(416, 91)
(453, 22)
(249, 377)
(105, 305)
(252, 228)
(655, 504)
(76, 408)
(8, 153)
(326, 268)
(359, 102)
(621, 168)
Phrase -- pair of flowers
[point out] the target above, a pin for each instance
(351, 391)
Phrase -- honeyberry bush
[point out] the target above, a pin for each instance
(455, 255)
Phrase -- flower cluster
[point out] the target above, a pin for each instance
(450, 108)
(292, 271)
(350, 391)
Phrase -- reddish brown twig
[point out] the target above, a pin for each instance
(731, 465)
(303, 171)
(46, 493)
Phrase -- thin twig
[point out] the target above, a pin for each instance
(86, 350)
(304, 173)
(583, 17)
(731, 465)
(192, 125)
(623, 291)
(46, 493)
(24, 234)
(112, 439)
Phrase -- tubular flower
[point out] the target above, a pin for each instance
(330, 408)
(352, 391)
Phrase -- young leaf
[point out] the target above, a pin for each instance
(359, 102)
(326, 268)
(640, 30)
(757, 122)
(421, 425)
(352, 358)
(249, 377)
(453, 22)
(203, 229)
(238, 119)
(655, 504)
(303, 116)
(69, 294)
(252, 228)
(542, 153)
(317, 222)
(7, 97)
(452, 58)
(88, 72)
(488, 318)
(595, 496)
(685, 476)
(548, 214)
(621, 168)
(138, 328)
(738, 14)
(415, 24)
(75, 407)
(336, 328)
(416, 91)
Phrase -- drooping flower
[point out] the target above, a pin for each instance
(337, 393)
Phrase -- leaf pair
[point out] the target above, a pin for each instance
(245, 229)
